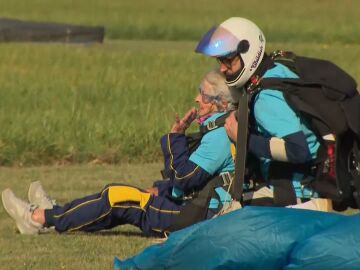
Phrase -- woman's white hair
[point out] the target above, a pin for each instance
(219, 87)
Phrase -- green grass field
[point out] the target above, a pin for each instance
(70, 104)
(109, 103)
(75, 104)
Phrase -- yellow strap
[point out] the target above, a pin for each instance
(121, 194)
(233, 151)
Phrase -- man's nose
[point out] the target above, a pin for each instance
(223, 68)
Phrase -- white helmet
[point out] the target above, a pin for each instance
(235, 36)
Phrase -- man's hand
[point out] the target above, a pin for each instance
(181, 125)
(231, 126)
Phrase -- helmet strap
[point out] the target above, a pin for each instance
(254, 82)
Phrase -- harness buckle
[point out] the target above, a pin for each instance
(227, 178)
(303, 193)
(211, 125)
(254, 85)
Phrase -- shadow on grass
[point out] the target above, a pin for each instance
(101, 233)
(117, 233)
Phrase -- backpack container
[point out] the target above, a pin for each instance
(328, 98)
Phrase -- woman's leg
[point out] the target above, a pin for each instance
(114, 205)
(94, 212)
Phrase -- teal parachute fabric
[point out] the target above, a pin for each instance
(258, 238)
(337, 247)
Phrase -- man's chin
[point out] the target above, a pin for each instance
(232, 77)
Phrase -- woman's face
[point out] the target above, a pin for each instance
(205, 100)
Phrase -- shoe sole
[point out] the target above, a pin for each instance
(20, 226)
(3, 199)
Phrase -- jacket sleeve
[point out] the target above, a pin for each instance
(292, 148)
(281, 135)
(183, 173)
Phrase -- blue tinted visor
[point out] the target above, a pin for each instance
(217, 42)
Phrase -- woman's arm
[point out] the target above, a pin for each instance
(183, 173)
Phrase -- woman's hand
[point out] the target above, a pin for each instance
(231, 126)
(153, 190)
(182, 124)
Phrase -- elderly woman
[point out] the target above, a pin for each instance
(153, 210)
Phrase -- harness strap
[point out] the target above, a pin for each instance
(237, 186)
(211, 125)
(355, 170)
(241, 147)
(196, 209)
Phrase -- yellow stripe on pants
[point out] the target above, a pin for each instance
(121, 194)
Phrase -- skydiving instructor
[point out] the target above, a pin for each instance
(281, 140)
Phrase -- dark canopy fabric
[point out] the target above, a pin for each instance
(16, 30)
(258, 238)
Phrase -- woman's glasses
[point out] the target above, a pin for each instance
(207, 98)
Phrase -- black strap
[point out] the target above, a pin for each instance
(196, 210)
(355, 170)
(218, 122)
(286, 83)
(236, 190)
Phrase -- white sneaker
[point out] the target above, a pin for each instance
(39, 197)
(21, 212)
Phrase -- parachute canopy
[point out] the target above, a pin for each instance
(258, 238)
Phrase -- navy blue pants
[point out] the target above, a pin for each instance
(115, 205)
